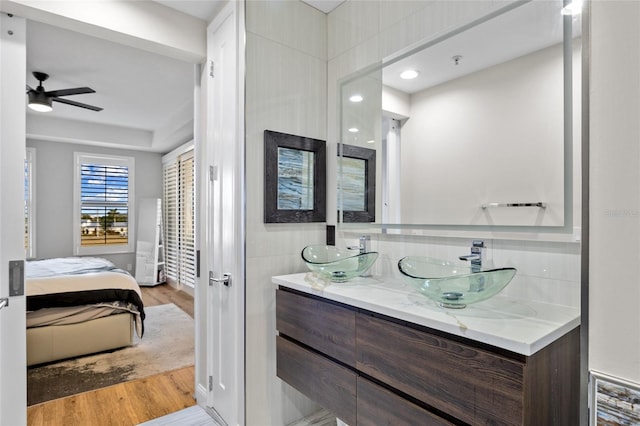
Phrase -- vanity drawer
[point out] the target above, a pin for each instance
(471, 384)
(378, 406)
(326, 382)
(326, 327)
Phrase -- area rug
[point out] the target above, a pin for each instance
(167, 345)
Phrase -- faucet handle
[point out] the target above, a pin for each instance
(365, 243)
(477, 246)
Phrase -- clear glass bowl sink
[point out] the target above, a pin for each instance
(337, 265)
(454, 286)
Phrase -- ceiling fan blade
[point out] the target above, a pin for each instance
(67, 92)
(78, 104)
(29, 88)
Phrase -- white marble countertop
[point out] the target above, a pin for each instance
(517, 325)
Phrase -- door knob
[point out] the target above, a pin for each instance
(226, 279)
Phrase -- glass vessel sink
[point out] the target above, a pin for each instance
(337, 265)
(454, 286)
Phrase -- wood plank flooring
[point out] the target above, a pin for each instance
(128, 403)
(125, 404)
(164, 293)
(192, 416)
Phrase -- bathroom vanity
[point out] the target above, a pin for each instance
(381, 353)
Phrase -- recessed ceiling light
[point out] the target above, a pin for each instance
(356, 98)
(371, 141)
(409, 74)
(573, 8)
(353, 130)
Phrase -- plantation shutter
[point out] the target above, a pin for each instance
(186, 221)
(104, 204)
(179, 218)
(29, 199)
(170, 221)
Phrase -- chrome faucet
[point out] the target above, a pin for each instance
(476, 255)
(364, 244)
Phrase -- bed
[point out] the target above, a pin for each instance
(78, 306)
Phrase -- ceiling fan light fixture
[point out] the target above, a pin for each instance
(41, 99)
(39, 102)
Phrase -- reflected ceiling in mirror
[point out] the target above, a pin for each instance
(487, 121)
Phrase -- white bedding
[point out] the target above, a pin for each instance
(71, 315)
(68, 275)
(66, 266)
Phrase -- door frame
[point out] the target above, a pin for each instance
(181, 43)
(13, 329)
(204, 146)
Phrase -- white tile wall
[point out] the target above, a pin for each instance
(290, 23)
(286, 92)
(614, 267)
(269, 400)
(296, 57)
(548, 272)
(428, 20)
(351, 24)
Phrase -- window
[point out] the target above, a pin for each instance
(104, 213)
(30, 204)
(179, 215)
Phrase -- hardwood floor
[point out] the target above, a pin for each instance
(125, 404)
(164, 293)
(131, 402)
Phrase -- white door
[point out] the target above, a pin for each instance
(13, 355)
(225, 223)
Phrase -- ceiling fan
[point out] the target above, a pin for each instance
(40, 100)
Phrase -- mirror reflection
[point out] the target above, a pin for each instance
(476, 128)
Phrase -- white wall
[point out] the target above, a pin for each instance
(614, 292)
(396, 104)
(54, 194)
(143, 24)
(464, 136)
(286, 92)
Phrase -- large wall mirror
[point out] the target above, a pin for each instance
(483, 134)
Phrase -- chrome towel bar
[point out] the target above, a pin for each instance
(538, 204)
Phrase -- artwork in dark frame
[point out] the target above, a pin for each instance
(358, 183)
(294, 178)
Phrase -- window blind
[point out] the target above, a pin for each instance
(104, 204)
(186, 227)
(29, 201)
(170, 221)
(179, 218)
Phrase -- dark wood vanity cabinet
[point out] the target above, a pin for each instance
(377, 406)
(325, 382)
(371, 370)
(318, 324)
(327, 377)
